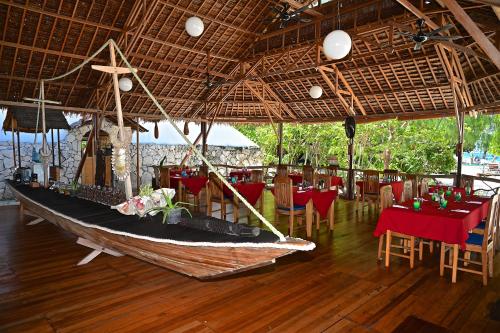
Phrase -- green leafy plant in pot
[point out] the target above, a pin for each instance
(74, 188)
(171, 211)
(146, 190)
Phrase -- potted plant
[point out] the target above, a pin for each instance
(74, 188)
(146, 190)
(171, 211)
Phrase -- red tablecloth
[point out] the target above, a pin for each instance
(174, 182)
(322, 200)
(337, 181)
(194, 184)
(445, 188)
(178, 172)
(250, 191)
(434, 223)
(239, 174)
(296, 178)
(397, 188)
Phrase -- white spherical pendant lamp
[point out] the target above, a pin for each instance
(125, 84)
(337, 44)
(315, 92)
(194, 26)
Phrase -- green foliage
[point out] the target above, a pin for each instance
(415, 146)
(146, 190)
(169, 207)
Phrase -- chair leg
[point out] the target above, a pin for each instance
(484, 264)
(209, 207)
(276, 217)
(431, 247)
(380, 245)
(317, 220)
(236, 210)
(420, 249)
(387, 248)
(466, 258)
(223, 210)
(455, 264)
(490, 262)
(441, 260)
(412, 252)
(290, 224)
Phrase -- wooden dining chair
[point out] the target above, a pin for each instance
(391, 175)
(281, 170)
(407, 191)
(371, 187)
(385, 202)
(308, 174)
(424, 186)
(215, 193)
(467, 180)
(283, 198)
(482, 244)
(257, 176)
(327, 180)
(413, 179)
(165, 177)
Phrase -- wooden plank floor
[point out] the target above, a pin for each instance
(339, 287)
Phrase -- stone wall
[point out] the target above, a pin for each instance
(150, 154)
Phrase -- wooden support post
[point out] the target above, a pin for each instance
(138, 159)
(53, 147)
(58, 148)
(204, 136)
(280, 143)
(119, 115)
(90, 139)
(350, 173)
(18, 149)
(460, 149)
(13, 140)
(44, 154)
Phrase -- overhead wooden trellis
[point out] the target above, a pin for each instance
(257, 73)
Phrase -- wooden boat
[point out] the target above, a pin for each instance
(198, 259)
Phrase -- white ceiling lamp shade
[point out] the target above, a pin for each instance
(315, 92)
(125, 84)
(194, 26)
(337, 44)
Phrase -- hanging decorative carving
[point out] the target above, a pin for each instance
(157, 131)
(186, 128)
(120, 162)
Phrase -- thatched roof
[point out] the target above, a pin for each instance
(257, 71)
(25, 119)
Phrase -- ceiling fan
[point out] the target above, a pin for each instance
(421, 37)
(283, 14)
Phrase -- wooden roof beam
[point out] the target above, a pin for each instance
(476, 33)
(296, 5)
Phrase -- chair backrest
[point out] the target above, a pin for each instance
(165, 177)
(308, 174)
(371, 182)
(257, 176)
(203, 171)
(327, 179)
(407, 190)
(391, 175)
(467, 180)
(283, 191)
(413, 179)
(215, 187)
(385, 197)
(492, 220)
(424, 186)
(282, 170)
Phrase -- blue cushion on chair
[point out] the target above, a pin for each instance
(295, 207)
(475, 239)
(481, 225)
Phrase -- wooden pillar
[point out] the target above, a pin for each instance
(204, 137)
(460, 150)
(44, 138)
(53, 148)
(350, 172)
(18, 149)
(13, 140)
(58, 148)
(137, 168)
(280, 143)
(119, 115)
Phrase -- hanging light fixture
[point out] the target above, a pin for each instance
(157, 131)
(194, 26)
(337, 43)
(125, 84)
(315, 92)
(186, 128)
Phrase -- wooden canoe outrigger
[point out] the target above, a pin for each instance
(203, 259)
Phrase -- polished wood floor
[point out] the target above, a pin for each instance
(339, 287)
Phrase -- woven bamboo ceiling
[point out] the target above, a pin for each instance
(257, 71)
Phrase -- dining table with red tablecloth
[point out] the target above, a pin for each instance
(336, 181)
(397, 188)
(252, 192)
(450, 225)
(322, 200)
(296, 178)
(240, 174)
